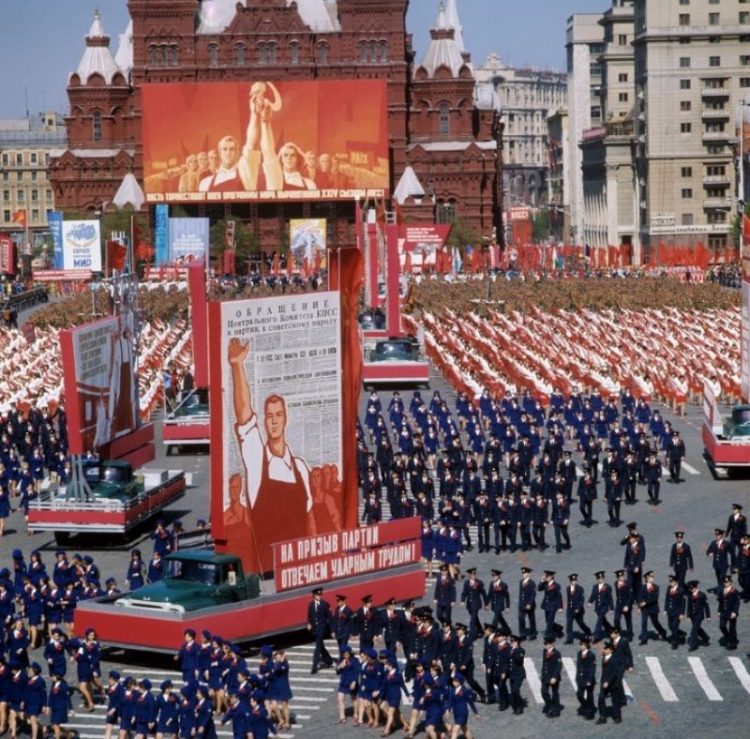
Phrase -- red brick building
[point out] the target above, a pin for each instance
(439, 123)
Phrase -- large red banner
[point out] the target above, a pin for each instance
(279, 400)
(262, 140)
(101, 393)
(7, 256)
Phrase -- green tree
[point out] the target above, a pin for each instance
(540, 230)
(737, 225)
(462, 234)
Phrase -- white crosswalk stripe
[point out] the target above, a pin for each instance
(570, 669)
(699, 670)
(660, 680)
(532, 678)
(741, 671)
(691, 470)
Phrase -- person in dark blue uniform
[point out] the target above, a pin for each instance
(681, 557)
(145, 710)
(610, 686)
(444, 596)
(134, 575)
(551, 676)
(603, 602)
(517, 674)
(675, 455)
(58, 703)
(55, 653)
(648, 602)
(366, 619)
(473, 596)
(719, 550)
(465, 660)
(319, 624)
(575, 608)
(390, 624)
(342, 622)
(587, 494)
(498, 599)
(561, 519)
(697, 609)
(729, 609)
(527, 605)
(35, 700)
(113, 693)
(624, 599)
(188, 656)
(585, 680)
(674, 607)
(460, 700)
(348, 671)
(653, 479)
(552, 603)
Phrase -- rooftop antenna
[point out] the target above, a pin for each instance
(26, 99)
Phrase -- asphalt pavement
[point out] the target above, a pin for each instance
(672, 693)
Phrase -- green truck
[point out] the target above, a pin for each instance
(195, 579)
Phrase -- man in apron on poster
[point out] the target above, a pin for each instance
(277, 483)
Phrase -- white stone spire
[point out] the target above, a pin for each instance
(97, 59)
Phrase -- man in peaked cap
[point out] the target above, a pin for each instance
(526, 605)
(697, 610)
(319, 624)
(680, 557)
(575, 608)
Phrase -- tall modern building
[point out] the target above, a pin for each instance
(437, 133)
(584, 44)
(526, 97)
(610, 189)
(692, 68)
(25, 147)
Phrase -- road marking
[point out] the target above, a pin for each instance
(331, 680)
(660, 679)
(741, 672)
(665, 471)
(570, 669)
(628, 691)
(690, 468)
(703, 679)
(532, 677)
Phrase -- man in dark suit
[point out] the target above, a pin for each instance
(552, 602)
(675, 455)
(445, 595)
(551, 674)
(601, 599)
(624, 602)
(366, 619)
(680, 557)
(697, 610)
(574, 609)
(610, 686)
(319, 624)
(674, 607)
(585, 680)
(729, 608)
(648, 602)
(342, 622)
(526, 605)
(390, 624)
(498, 599)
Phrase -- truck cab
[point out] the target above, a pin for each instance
(112, 480)
(195, 579)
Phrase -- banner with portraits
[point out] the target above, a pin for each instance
(99, 376)
(265, 141)
(276, 422)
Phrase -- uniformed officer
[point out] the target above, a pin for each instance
(473, 596)
(633, 562)
(602, 601)
(366, 620)
(319, 624)
(587, 494)
(465, 659)
(624, 602)
(444, 596)
(342, 622)
(390, 625)
(680, 557)
(674, 607)
(743, 568)
(575, 609)
(585, 679)
(517, 674)
(653, 479)
(561, 519)
(501, 669)
(551, 675)
(552, 602)
(736, 530)
(498, 599)
(610, 686)
(729, 608)
(526, 605)
(697, 610)
(718, 550)
(648, 602)
(675, 455)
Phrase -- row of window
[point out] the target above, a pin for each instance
(713, 84)
(33, 176)
(712, 170)
(714, 19)
(716, 2)
(21, 195)
(35, 215)
(20, 158)
(714, 61)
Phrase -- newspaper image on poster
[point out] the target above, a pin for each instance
(281, 421)
(99, 378)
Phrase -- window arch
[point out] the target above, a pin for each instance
(383, 51)
(154, 54)
(363, 49)
(322, 54)
(294, 52)
(445, 211)
(444, 113)
(175, 55)
(213, 55)
(239, 55)
(96, 125)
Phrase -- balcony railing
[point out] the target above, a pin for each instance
(721, 203)
(716, 179)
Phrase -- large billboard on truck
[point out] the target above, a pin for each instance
(265, 141)
(277, 418)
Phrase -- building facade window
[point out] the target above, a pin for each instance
(684, 84)
(294, 53)
(684, 19)
(687, 219)
(685, 105)
(684, 62)
(444, 113)
(322, 53)
(686, 193)
(714, 19)
(213, 55)
(96, 125)
(686, 127)
(445, 211)
(686, 171)
(714, 61)
(240, 55)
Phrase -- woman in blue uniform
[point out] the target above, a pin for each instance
(215, 670)
(145, 710)
(4, 506)
(393, 685)
(370, 685)
(461, 699)
(128, 703)
(134, 574)
(16, 697)
(87, 655)
(114, 695)
(34, 604)
(239, 714)
(167, 707)
(36, 699)
(431, 702)
(348, 672)
(58, 704)
(204, 715)
(260, 724)
(17, 643)
(186, 713)
(279, 690)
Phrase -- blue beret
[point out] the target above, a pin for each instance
(165, 684)
(266, 651)
(17, 554)
(114, 674)
(146, 683)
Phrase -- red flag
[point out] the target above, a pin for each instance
(275, 265)
(746, 229)
(317, 261)
(289, 263)
(19, 217)
(116, 255)
(229, 265)
(407, 263)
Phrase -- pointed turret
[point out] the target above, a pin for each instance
(97, 58)
(443, 50)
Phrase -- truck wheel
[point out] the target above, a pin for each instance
(62, 537)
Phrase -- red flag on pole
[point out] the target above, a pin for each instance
(276, 265)
(746, 229)
(289, 263)
(19, 217)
